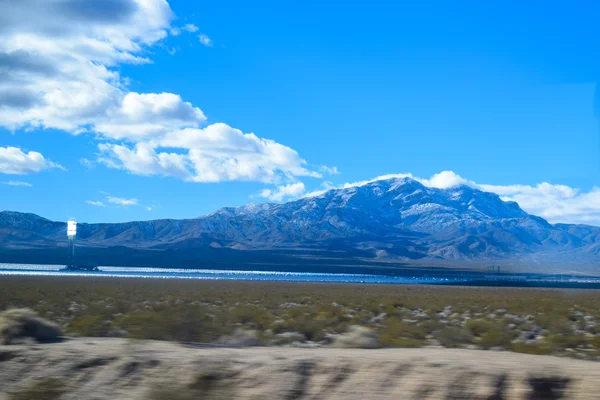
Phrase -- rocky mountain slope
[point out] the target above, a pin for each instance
(394, 219)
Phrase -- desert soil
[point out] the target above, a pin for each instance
(122, 369)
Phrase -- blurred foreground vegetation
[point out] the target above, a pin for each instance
(537, 321)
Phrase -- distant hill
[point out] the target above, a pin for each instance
(397, 220)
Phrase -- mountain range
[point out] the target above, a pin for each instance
(379, 223)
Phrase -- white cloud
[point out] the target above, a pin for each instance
(445, 180)
(190, 28)
(290, 191)
(120, 201)
(96, 203)
(57, 58)
(17, 183)
(205, 40)
(215, 153)
(329, 170)
(117, 201)
(86, 163)
(14, 161)
(61, 71)
(555, 203)
(176, 31)
(149, 208)
(143, 116)
(59, 68)
(144, 160)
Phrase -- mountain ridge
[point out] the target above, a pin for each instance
(392, 219)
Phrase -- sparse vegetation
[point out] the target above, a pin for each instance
(454, 337)
(537, 321)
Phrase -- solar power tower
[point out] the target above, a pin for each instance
(71, 232)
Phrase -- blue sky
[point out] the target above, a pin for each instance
(502, 95)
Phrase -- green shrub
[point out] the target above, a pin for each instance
(531, 348)
(561, 342)
(394, 328)
(204, 311)
(480, 327)
(454, 337)
(256, 317)
(555, 323)
(89, 325)
(496, 338)
(391, 341)
(311, 328)
(181, 323)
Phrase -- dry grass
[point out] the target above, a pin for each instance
(399, 316)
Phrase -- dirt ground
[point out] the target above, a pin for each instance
(109, 368)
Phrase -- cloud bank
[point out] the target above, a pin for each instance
(215, 153)
(59, 69)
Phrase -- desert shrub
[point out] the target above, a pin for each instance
(308, 326)
(256, 317)
(89, 325)
(555, 323)
(531, 348)
(594, 329)
(392, 341)
(480, 327)
(561, 342)
(45, 389)
(357, 337)
(431, 326)
(395, 328)
(204, 311)
(453, 337)
(496, 338)
(296, 312)
(21, 323)
(180, 323)
(312, 323)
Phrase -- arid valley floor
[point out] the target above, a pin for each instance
(150, 338)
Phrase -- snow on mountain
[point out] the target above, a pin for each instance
(396, 218)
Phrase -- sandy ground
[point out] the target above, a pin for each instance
(122, 369)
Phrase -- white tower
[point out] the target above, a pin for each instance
(71, 231)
